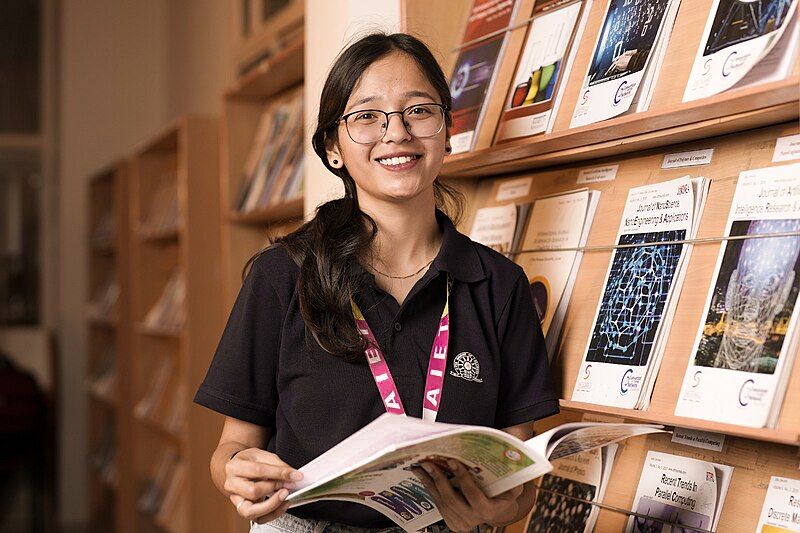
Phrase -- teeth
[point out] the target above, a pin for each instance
(392, 161)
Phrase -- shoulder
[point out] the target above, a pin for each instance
(499, 269)
(274, 268)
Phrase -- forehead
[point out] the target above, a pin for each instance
(389, 79)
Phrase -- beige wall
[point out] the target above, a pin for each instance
(127, 67)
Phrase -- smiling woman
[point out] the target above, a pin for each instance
(382, 270)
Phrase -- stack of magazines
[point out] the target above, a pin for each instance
(162, 212)
(640, 294)
(747, 342)
(558, 225)
(500, 228)
(169, 312)
(273, 171)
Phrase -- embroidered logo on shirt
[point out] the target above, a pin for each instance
(466, 367)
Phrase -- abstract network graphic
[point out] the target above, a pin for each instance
(634, 299)
(737, 21)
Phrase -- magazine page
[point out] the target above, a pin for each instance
(495, 227)
(746, 341)
(737, 36)
(629, 34)
(638, 291)
(556, 510)
(384, 452)
(543, 64)
(555, 222)
(674, 489)
(475, 68)
(781, 510)
(577, 437)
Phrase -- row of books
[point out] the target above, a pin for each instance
(104, 231)
(164, 402)
(163, 496)
(273, 170)
(169, 311)
(102, 383)
(744, 43)
(160, 215)
(746, 342)
(104, 455)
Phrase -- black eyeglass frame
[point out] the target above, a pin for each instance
(388, 114)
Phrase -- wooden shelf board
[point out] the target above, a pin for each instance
(276, 213)
(724, 113)
(157, 331)
(778, 436)
(273, 75)
(160, 236)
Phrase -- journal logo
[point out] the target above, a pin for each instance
(744, 392)
(460, 81)
(585, 98)
(707, 67)
(587, 372)
(725, 66)
(624, 385)
(696, 379)
(620, 94)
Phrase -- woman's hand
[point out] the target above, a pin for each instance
(462, 503)
(257, 483)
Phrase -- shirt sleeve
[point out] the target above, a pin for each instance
(526, 392)
(241, 381)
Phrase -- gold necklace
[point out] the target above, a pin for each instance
(402, 277)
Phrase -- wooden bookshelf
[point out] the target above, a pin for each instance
(174, 321)
(261, 32)
(108, 336)
(741, 126)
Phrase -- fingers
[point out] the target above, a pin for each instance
(251, 490)
(273, 515)
(264, 471)
(447, 494)
(474, 495)
(267, 510)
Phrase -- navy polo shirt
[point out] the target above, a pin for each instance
(267, 373)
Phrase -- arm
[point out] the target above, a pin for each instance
(254, 480)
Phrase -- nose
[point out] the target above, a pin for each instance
(396, 130)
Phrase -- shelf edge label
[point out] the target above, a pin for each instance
(687, 159)
(595, 174)
(699, 439)
(512, 189)
(786, 149)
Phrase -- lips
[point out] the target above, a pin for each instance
(401, 161)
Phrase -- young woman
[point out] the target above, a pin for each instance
(291, 373)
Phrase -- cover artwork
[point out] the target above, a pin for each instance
(737, 21)
(488, 16)
(554, 513)
(633, 302)
(626, 39)
(753, 299)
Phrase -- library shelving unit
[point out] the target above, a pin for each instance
(262, 28)
(107, 334)
(175, 317)
(742, 126)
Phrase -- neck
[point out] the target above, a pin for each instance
(408, 234)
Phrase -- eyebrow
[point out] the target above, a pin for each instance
(409, 94)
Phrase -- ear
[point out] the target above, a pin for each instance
(333, 153)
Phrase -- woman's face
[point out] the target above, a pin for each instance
(399, 166)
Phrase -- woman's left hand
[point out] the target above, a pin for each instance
(462, 503)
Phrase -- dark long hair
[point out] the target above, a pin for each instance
(328, 247)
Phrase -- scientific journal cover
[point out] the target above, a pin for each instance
(631, 33)
(544, 64)
(738, 36)
(746, 343)
(475, 69)
(637, 297)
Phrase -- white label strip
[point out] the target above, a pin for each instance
(699, 439)
(787, 149)
(512, 189)
(688, 159)
(595, 174)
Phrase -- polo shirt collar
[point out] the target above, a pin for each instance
(457, 255)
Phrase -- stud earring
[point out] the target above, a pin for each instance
(335, 161)
(448, 149)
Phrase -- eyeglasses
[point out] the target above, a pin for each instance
(367, 126)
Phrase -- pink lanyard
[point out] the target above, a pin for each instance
(436, 365)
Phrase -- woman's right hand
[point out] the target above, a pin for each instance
(257, 484)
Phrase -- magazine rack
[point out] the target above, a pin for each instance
(742, 126)
(185, 151)
(107, 336)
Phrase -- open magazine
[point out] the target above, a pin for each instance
(375, 466)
